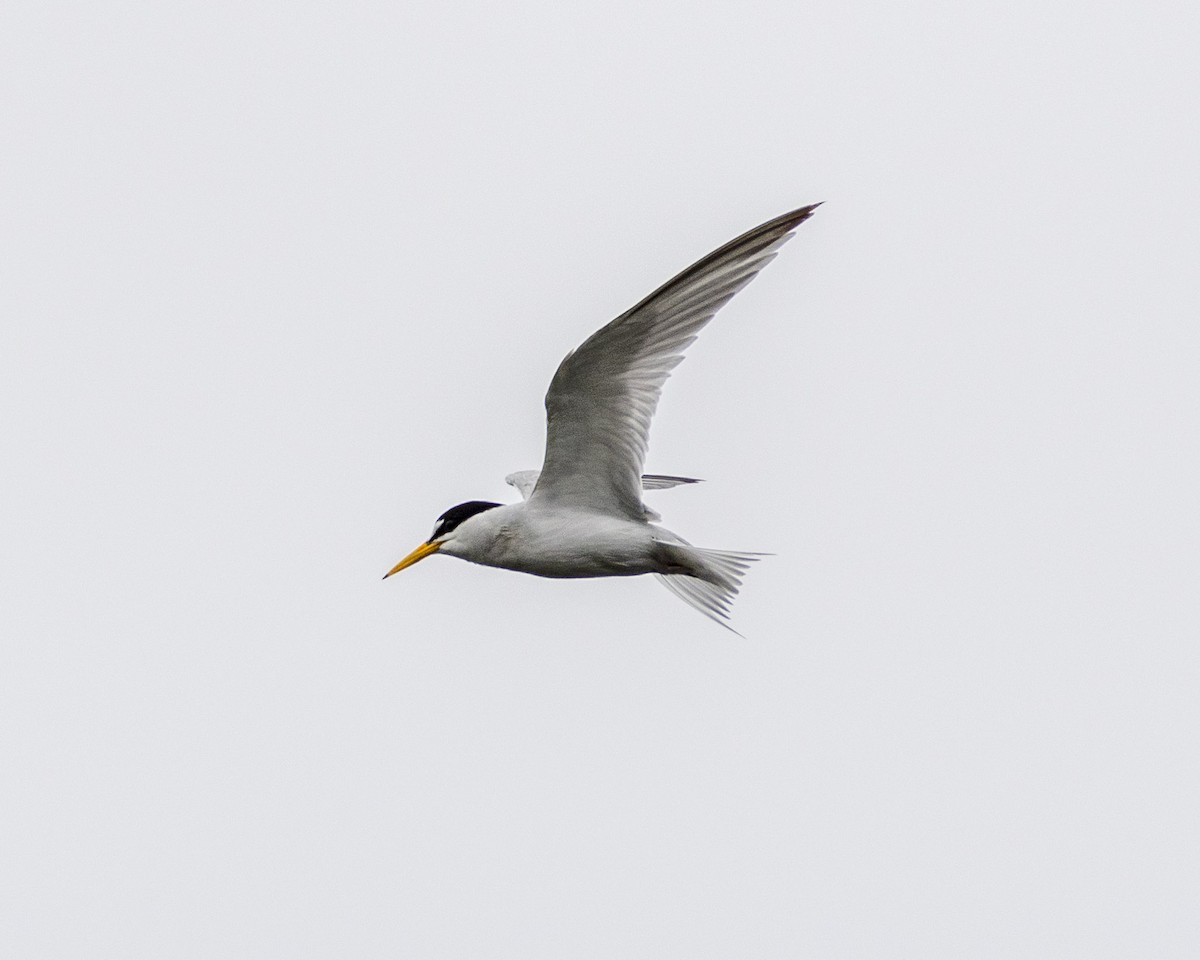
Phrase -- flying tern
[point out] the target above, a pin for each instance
(582, 514)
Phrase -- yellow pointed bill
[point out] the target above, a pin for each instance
(420, 553)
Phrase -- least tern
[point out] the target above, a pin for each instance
(582, 514)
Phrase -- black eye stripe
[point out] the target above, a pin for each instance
(456, 515)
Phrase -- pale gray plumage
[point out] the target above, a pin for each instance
(605, 392)
(582, 514)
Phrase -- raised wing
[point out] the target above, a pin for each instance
(605, 392)
(526, 480)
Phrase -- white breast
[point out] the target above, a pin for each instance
(551, 542)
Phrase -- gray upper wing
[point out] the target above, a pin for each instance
(605, 392)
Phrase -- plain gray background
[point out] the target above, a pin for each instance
(282, 282)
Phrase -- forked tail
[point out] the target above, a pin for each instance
(717, 579)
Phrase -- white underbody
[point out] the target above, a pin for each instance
(552, 542)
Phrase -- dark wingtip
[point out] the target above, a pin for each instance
(781, 226)
(799, 215)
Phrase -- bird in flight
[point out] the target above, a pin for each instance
(582, 514)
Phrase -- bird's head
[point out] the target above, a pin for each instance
(444, 532)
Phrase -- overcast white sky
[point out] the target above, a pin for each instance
(282, 282)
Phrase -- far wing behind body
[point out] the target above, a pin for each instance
(526, 480)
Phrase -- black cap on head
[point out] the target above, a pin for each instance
(456, 515)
